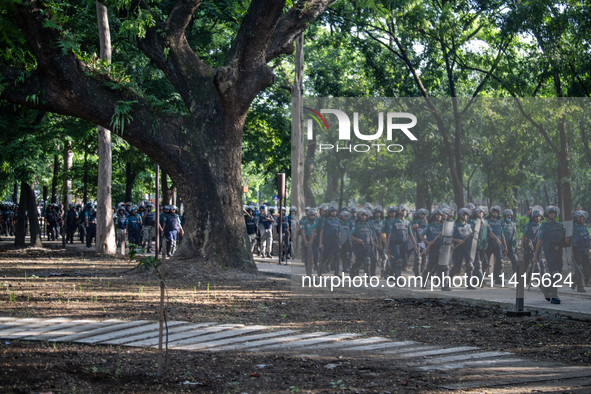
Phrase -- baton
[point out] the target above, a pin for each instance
(455, 247)
(429, 247)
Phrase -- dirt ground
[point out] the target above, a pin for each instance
(83, 285)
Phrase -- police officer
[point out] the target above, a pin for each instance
(346, 244)
(330, 235)
(496, 248)
(82, 215)
(284, 233)
(363, 243)
(431, 235)
(379, 255)
(481, 263)
(164, 209)
(308, 227)
(120, 225)
(510, 234)
(462, 236)
(265, 224)
(133, 226)
(90, 224)
(322, 213)
(398, 233)
(551, 239)
(251, 226)
(580, 250)
(141, 210)
(172, 226)
(148, 220)
(529, 240)
(71, 220)
(51, 218)
(418, 226)
(7, 219)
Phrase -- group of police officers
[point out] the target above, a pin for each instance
(137, 223)
(386, 238)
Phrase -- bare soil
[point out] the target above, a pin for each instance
(83, 285)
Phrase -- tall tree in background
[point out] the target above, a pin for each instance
(105, 231)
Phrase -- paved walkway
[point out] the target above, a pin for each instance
(574, 305)
(474, 367)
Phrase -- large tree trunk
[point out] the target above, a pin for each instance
(130, 176)
(20, 230)
(308, 171)
(54, 179)
(166, 193)
(15, 192)
(421, 201)
(67, 186)
(105, 234)
(200, 149)
(566, 207)
(85, 179)
(297, 141)
(34, 228)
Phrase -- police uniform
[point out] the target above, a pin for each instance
(462, 251)
(431, 232)
(148, 221)
(551, 234)
(420, 259)
(120, 225)
(399, 233)
(510, 233)
(481, 262)
(308, 226)
(91, 229)
(172, 226)
(51, 217)
(581, 245)
(133, 224)
(530, 231)
(330, 230)
(71, 224)
(346, 246)
(363, 231)
(251, 228)
(496, 227)
(265, 225)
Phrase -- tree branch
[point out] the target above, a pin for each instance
(172, 54)
(292, 24)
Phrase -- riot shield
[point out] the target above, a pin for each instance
(345, 234)
(567, 252)
(475, 235)
(446, 236)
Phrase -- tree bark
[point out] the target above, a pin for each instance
(130, 176)
(54, 179)
(421, 201)
(297, 141)
(201, 149)
(15, 192)
(45, 192)
(85, 179)
(585, 140)
(105, 232)
(308, 171)
(20, 230)
(67, 186)
(166, 192)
